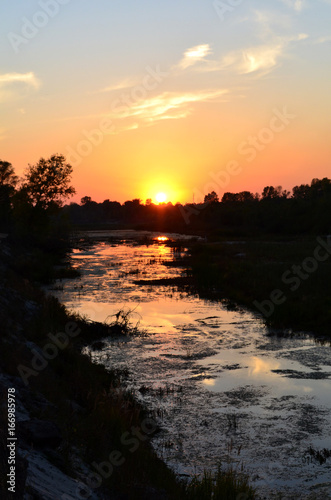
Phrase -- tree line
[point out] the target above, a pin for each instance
(34, 204)
(306, 209)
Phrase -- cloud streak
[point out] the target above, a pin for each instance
(265, 57)
(194, 55)
(323, 39)
(166, 106)
(296, 5)
(259, 59)
(121, 85)
(26, 78)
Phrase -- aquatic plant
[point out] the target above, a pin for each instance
(122, 324)
(226, 484)
(319, 456)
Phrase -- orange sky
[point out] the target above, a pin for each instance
(149, 98)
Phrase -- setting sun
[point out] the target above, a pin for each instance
(161, 197)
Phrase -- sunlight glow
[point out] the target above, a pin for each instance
(161, 197)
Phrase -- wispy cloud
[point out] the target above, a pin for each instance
(265, 57)
(296, 5)
(168, 105)
(194, 55)
(27, 78)
(122, 84)
(323, 39)
(271, 22)
(15, 85)
(259, 59)
(164, 106)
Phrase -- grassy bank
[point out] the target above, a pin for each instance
(252, 272)
(85, 401)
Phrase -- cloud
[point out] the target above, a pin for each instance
(27, 78)
(194, 55)
(145, 112)
(261, 58)
(266, 57)
(323, 39)
(296, 5)
(9, 83)
(123, 84)
(166, 106)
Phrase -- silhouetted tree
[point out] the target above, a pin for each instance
(301, 192)
(229, 197)
(271, 192)
(7, 175)
(211, 197)
(243, 196)
(320, 187)
(47, 183)
(85, 200)
(8, 182)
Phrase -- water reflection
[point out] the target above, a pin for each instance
(218, 363)
(262, 367)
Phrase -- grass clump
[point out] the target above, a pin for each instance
(224, 485)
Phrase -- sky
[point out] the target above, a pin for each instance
(180, 97)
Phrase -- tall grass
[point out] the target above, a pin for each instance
(224, 485)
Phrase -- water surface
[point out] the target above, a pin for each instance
(222, 387)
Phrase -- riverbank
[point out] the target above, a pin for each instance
(286, 281)
(71, 413)
(79, 433)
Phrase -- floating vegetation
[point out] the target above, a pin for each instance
(317, 456)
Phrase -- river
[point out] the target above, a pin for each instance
(221, 385)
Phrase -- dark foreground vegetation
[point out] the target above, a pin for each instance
(74, 419)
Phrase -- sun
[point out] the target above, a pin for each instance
(161, 197)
